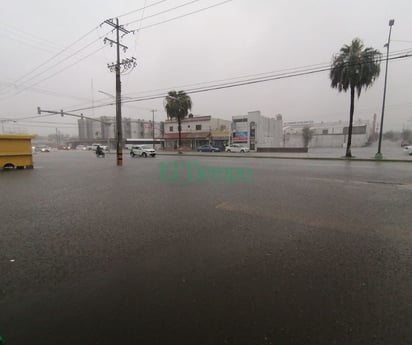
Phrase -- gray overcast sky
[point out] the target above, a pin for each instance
(237, 38)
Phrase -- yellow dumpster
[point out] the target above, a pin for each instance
(16, 151)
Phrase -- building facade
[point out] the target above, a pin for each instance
(256, 131)
(197, 131)
(104, 128)
(328, 134)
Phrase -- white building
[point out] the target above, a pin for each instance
(257, 131)
(197, 131)
(327, 134)
(104, 128)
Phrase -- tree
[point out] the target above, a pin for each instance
(177, 105)
(307, 136)
(354, 68)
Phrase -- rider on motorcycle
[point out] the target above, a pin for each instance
(99, 151)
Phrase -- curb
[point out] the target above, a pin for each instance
(354, 159)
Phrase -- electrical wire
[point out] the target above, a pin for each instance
(61, 61)
(235, 84)
(162, 12)
(59, 71)
(29, 39)
(185, 15)
(24, 77)
(141, 9)
(54, 56)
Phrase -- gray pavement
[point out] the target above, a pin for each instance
(308, 252)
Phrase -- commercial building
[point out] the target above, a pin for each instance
(197, 131)
(104, 129)
(256, 131)
(327, 134)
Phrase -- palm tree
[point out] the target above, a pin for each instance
(354, 68)
(177, 105)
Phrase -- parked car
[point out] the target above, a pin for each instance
(236, 148)
(408, 149)
(208, 148)
(142, 151)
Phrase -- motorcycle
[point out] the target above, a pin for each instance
(100, 154)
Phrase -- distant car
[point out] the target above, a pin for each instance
(236, 148)
(408, 149)
(103, 147)
(43, 148)
(142, 151)
(208, 148)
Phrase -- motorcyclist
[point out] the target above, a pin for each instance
(99, 151)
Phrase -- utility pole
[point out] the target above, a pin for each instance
(379, 153)
(153, 127)
(125, 64)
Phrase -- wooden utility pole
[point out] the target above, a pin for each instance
(118, 67)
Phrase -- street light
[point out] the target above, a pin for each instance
(379, 154)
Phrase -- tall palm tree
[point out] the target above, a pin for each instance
(177, 105)
(354, 68)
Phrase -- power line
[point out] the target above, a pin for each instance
(163, 12)
(59, 71)
(88, 33)
(50, 93)
(22, 33)
(54, 56)
(12, 37)
(235, 84)
(28, 38)
(185, 15)
(61, 61)
(141, 9)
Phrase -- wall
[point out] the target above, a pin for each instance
(268, 131)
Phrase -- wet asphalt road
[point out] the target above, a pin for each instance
(309, 252)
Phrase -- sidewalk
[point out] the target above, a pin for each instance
(391, 152)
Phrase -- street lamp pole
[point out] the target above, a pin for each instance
(379, 154)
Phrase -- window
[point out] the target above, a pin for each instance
(325, 131)
(198, 127)
(171, 129)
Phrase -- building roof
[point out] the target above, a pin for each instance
(191, 119)
(197, 135)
